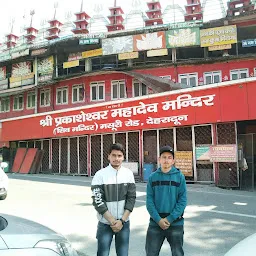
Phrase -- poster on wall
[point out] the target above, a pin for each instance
(182, 37)
(184, 162)
(3, 79)
(45, 69)
(117, 45)
(218, 36)
(2, 73)
(149, 41)
(21, 74)
(223, 153)
(202, 152)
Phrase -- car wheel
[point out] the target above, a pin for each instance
(3, 197)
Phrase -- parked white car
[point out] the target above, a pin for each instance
(3, 181)
(22, 237)
(245, 247)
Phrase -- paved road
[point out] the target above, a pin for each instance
(216, 219)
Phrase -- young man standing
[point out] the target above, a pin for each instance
(166, 202)
(113, 194)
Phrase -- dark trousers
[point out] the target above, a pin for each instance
(105, 235)
(156, 237)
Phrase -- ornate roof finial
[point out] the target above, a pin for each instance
(32, 13)
(136, 4)
(56, 5)
(114, 3)
(82, 5)
(98, 8)
(68, 15)
(12, 21)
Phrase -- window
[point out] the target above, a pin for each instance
(97, 91)
(78, 93)
(5, 104)
(189, 79)
(31, 100)
(118, 90)
(62, 96)
(239, 74)
(45, 98)
(212, 77)
(18, 102)
(139, 89)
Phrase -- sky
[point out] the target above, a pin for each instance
(19, 11)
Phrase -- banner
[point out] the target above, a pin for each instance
(176, 110)
(249, 43)
(4, 84)
(86, 41)
(149, 41)
(117, 45)
(20, 54)
(218, 36)
(219, 47)
(182, 37)
(186, 24)
(160, 52)
(3, 79)
(75, 56)
(2, 73)
(21, 80)
(128, 55)
(92, 53)
(71, 64)
(21, 69)
(45, 69)
(184, 162)
(38, 52)
(223, 153)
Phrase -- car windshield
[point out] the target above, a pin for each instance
(3, 223)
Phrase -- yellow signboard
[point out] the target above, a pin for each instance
(128, 55)
(184, 162)
(20, 78)
(71, 64)
(218, 36)
(159, 52)
(220, 47)
(92, 53)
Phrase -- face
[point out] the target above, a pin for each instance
(166, 161)
(116, 158)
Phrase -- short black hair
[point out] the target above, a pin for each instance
(117, 146)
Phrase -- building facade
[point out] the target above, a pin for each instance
(190, 85)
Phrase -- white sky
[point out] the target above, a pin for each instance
(44, 10)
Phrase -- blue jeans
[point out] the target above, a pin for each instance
(105, 235)
(156, 237)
